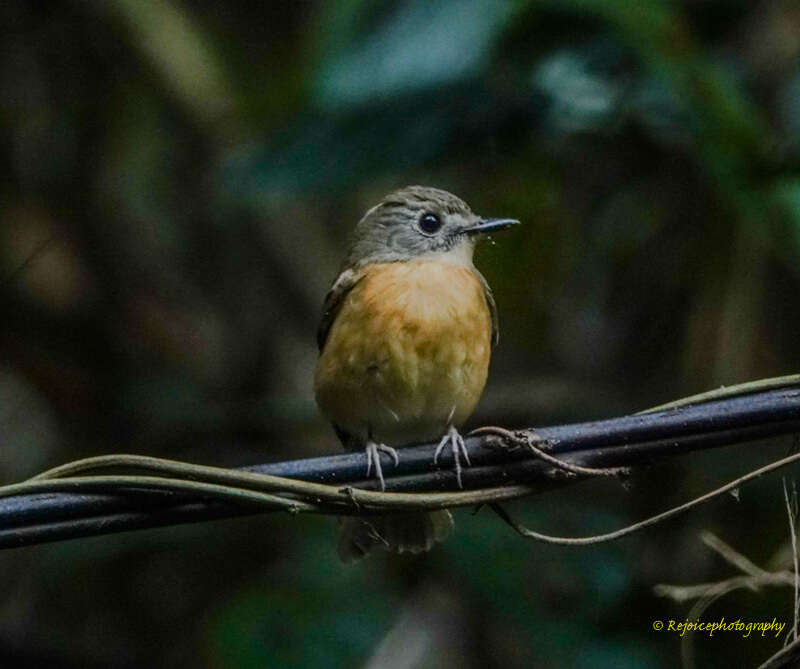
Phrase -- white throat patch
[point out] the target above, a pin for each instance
(460, 255)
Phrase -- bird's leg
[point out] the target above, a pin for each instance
(374, 450)
(458, 448)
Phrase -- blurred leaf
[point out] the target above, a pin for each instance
(418, 45)
(729, 130)
(331, 152)
(581, 95)
(181, 52)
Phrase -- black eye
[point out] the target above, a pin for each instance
(430, 223)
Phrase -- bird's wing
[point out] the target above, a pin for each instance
(487, 293)
(334, 300)
(330, 308)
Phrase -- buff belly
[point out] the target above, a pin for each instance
(408, 353)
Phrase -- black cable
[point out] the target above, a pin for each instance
(624, 441)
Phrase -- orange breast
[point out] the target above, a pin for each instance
(408, 353)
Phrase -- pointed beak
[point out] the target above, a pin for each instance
(490, 225)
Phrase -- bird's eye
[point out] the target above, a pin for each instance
(430, 223)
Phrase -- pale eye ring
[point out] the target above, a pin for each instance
(430, 223)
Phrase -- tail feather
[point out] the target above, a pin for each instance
(397, 533)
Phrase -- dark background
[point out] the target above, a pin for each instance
(178, 183)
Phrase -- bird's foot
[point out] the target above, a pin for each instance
(457, 447)
(374, 451)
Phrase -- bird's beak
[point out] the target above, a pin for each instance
(490, 225)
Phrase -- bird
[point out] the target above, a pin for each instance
(405, 339)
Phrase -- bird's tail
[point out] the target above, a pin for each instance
(397, 533)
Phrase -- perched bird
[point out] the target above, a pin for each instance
(405, 341)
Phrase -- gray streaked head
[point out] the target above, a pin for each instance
(415, 222)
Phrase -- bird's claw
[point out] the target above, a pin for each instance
(457, 446)
(374, 451)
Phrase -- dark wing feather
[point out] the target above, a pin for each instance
(487, 293)
(333, 302)
(330, 308)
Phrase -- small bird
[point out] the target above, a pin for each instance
(405, 340)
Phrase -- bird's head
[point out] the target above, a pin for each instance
(418, 222)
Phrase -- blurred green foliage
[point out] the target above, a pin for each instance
(180, 181)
